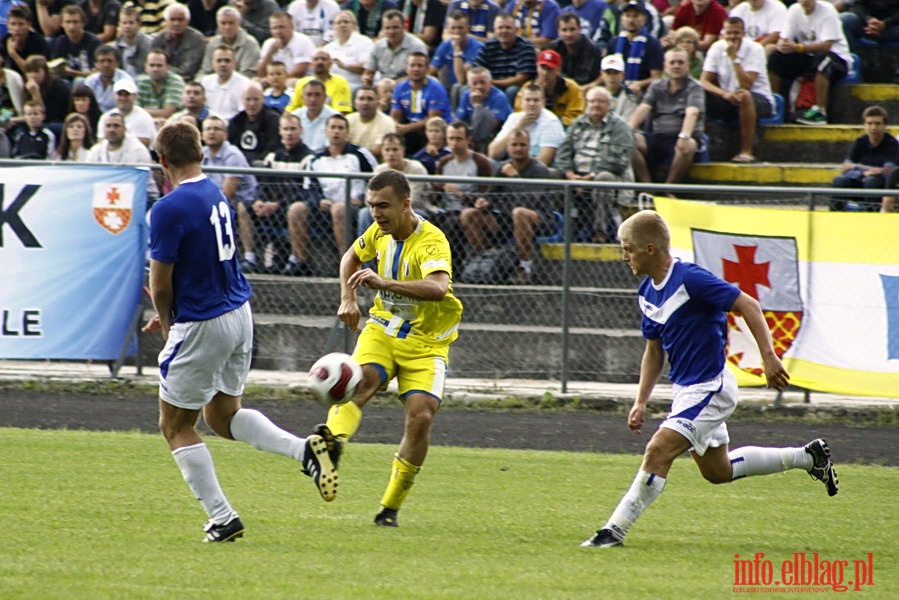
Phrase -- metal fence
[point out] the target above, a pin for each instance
(576, 320)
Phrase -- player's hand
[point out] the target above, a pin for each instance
(635, 418)
(775, 374)
(349, 314)
(366, 278)
(155, 324)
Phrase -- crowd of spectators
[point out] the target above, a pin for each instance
(590, 90)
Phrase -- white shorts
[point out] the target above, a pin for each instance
(201, 358)
(698, 411)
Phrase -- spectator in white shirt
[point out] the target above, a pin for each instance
(225, 87)
(314, 18)
(349, 49)
(139, 122)
(286, 45)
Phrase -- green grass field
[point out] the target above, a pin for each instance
(107, 515)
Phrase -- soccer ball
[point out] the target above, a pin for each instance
(334, 377)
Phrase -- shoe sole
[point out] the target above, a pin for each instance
(589, 544)
(230, 538)
(327, 477)
(334, 446)
(832, 483)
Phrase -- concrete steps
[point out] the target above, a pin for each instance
(765, 173)
(484, 350)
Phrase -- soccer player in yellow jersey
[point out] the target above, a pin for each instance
(414, 319)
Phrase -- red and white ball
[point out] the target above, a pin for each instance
(334, 377)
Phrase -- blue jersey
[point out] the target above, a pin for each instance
(688, 313)
(194, 227)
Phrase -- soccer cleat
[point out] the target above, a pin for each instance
(604, 538)
(822, 466)
(333, 443)
(813, 116)
(386, 518)
(317, 465)
(228, 532)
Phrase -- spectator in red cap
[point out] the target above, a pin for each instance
(563, 95)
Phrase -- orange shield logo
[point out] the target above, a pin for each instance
(112, 206)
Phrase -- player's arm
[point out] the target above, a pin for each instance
(162, 293)
(433, 287)
(349, 308)
(775, 374)
(651, 366)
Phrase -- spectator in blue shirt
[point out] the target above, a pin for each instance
(483, 106)
(509, 57)
(457, 52)
(415, 99)
(536, 20)
(480, 13)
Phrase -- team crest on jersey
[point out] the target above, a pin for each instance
(766, 268)
(112, 206)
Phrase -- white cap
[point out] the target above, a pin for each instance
(125, 84)
(613, 62)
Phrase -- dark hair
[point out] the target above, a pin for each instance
(63, 147)
(463, 126)
(109, 50)
(315, 83)
(394, 137)
(393, 179)
(93, 112)
(417, 54)
(458, 15)
(20, 11)
(568, 16)
(391, 14)
(735, 21)
(179, 144)
(38, 62)
(338, 117)
(74, 9)
(876, 111)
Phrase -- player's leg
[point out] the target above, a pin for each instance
(696, 421)
(374, 352)
(228, 419)
(719, 465)
(421, 378)
(187, 368)
(662, 449)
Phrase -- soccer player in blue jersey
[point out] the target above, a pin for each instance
(414, 319)
(203, 313)
(684, 316)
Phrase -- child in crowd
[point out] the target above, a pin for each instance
(31, 139)
(385, 88)
(435, 149)
(277, 96)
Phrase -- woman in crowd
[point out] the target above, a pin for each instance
(85, 103)
(51, 91)
(76, 139)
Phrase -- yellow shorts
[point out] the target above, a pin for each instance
(418, 367)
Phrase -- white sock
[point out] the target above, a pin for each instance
(196, 466)
(749, 461)
(293, 259)
(527, 265)
(249, 256)
(643, 492)
(254, 428)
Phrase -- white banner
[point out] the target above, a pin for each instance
(73, 244)
(828, 284)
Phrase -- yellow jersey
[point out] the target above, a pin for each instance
(425, 251)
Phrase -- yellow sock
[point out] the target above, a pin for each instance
(344, 419)
(402, 476)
